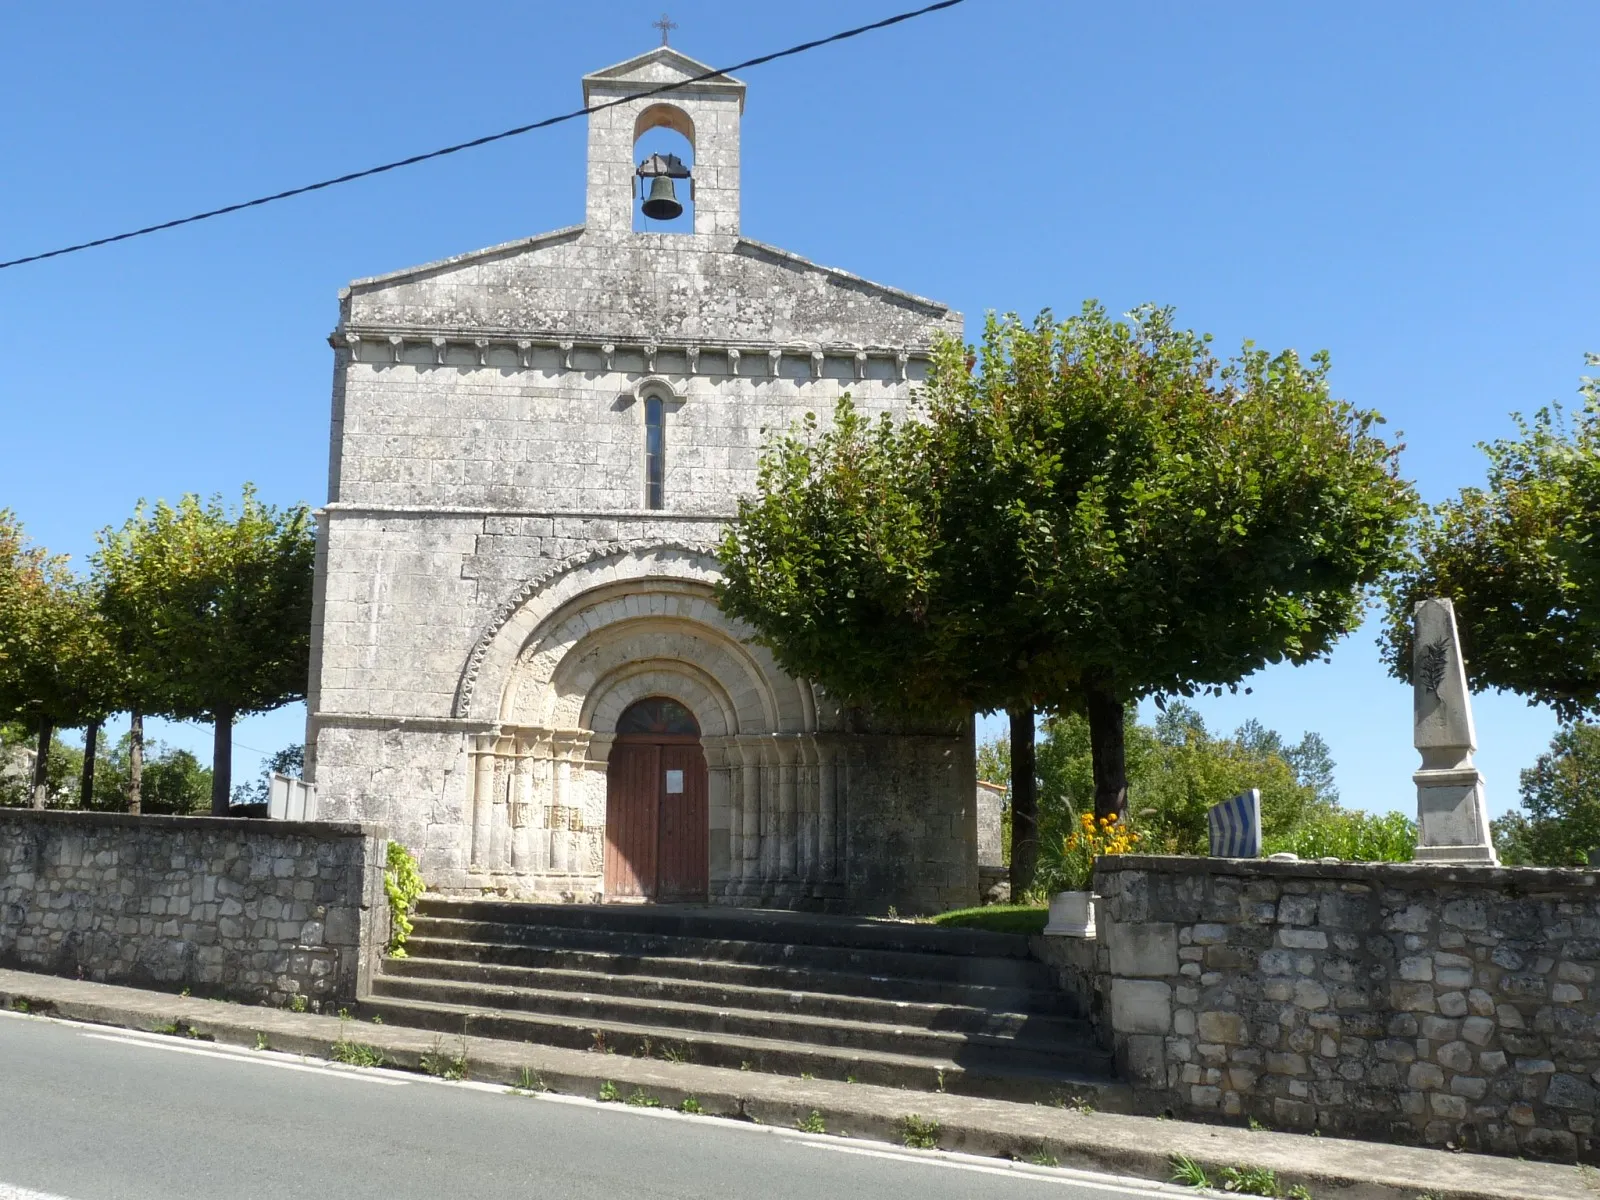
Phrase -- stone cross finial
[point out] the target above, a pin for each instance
(666, 24)
(1452, 818)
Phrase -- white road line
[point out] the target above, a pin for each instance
(12, 1192)
(1061, 1176)
(360, 1075)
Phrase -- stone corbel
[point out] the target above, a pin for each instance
(438, 350)
(733, 361)
(650, 351)
(817, 359)
(861, 364)
(353, 340)
(525, 352)
(483, 351)
(774, 362)
(692, 354)
(566, 354)
(397, 348)
(901, 358)
(609, 351)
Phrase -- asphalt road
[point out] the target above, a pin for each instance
(89, 1113)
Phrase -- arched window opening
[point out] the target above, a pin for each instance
(663, 130)
(655, 451)
(659, 715)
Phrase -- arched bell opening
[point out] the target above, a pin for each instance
(663, 184)
(657, 832)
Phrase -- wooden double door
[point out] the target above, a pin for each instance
(657, 826)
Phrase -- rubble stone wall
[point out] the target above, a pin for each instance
(1426, 1004)
(258, 911)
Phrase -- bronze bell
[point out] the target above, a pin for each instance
(662, 202)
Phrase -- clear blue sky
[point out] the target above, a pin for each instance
(1413, 187)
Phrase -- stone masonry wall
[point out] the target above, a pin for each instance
(1432, 1004)
(258, 911)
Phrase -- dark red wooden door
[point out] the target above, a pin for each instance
(632, 810)
(682, 855)
(657, 820)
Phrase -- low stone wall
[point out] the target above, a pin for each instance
(259, 911)
(1443, 1005)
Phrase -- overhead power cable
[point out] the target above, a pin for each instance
(760, 60)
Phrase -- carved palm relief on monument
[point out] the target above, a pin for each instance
(656, 805)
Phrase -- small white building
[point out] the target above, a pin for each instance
(518, 666)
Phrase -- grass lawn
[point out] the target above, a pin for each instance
(997, 918)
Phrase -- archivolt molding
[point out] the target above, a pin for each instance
(554, 684)
(546, 590)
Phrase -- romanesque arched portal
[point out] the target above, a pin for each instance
(568, 663)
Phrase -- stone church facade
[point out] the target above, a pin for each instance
(518, 666)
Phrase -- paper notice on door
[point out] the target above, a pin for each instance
(674, 783)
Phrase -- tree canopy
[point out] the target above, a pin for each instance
(1559, 819)
(1520, 559)
(1081, 514)
(213, 610)
(58, 668)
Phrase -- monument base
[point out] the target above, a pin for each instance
(1453, 818)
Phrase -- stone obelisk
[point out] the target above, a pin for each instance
(1452, 818)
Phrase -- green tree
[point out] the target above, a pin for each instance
(1090, 512)
(19, 747)
(1177, 770)
(174, 782)
(57, 668)
(214, 611)
(1559, 821)
(1520, 559)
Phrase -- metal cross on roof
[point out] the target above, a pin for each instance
(666, 25)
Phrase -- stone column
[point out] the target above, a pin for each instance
(1452, 815)
(788, 817)
(827, 810)
(560, 821)
(807, 849)
(771, 824)
(521, 806)
(482, 798)
(543, 796)
(750, 772)
(500, 810)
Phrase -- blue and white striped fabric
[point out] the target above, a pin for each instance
(1236, 826)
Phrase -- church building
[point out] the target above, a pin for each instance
(518, 665)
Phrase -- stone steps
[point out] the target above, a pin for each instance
(761, 994)
(951, 967)
(881, 1002)
(711, 971)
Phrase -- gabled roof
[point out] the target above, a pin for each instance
(656, 67)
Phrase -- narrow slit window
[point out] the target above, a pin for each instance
(655, 450)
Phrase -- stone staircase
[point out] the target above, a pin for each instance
(883, 1002)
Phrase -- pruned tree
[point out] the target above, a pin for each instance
(1520, 559)
(57, 667)
(213, 609)
(1084, 513)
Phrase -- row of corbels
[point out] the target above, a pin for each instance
(394, 346)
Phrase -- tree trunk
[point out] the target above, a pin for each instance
(135, 762)
(222, 764)
(41, 763)
(1024, 804)
(1108, 738)
(91, 743)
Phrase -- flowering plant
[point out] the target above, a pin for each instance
(1079, 849)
